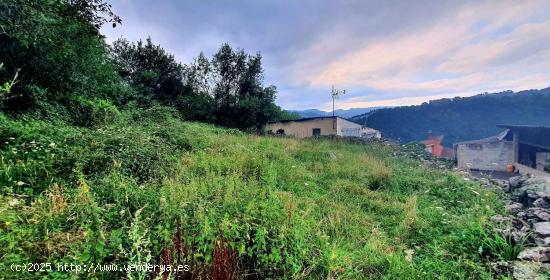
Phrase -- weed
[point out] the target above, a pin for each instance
(147, 187)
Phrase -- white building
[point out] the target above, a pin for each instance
(320, 126)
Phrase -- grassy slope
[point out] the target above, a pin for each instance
(292, 208)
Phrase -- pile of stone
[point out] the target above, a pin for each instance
(528, 223)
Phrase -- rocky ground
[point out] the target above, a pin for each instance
(527, 222)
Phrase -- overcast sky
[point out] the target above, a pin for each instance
(382, 52)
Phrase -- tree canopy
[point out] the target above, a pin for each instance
(67, 71)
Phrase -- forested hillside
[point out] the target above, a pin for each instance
(344, 113)
(462, 118)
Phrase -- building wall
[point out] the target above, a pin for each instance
(485, 156)
(523, 169)
(437, 149)
(303, 129)
(370, 133)
(347, 128)
(543, 159)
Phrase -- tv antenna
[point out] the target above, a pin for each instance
(335, 93)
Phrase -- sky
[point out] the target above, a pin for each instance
(383, 53)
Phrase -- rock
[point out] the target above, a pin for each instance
(332, 156)
(542, 228)
(529, 270)
(542, 202)
(528, 197)
(542, 214)
(519, 235)
(409, 253)
(520, 224)
(533, 195)
(502, 268)
(498, 219)
(535, 214)
(533, 185)
(514, 208)
(535, 254)
(516, 181)
(544, 242)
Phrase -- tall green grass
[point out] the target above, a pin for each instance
(290, 208)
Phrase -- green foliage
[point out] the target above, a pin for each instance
(97, 166)
(66, 71)
(150, 69)
(287, 115)
(93, 112)
(5, 88)
(227, 90)
(60, 56)
(461, 119)
(290, 208)
(138, 253)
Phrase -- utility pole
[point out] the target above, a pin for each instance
(335, 93)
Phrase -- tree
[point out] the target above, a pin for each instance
(240, 98)
(153, 72)
(67, 70)
(59, 51)
(197, 103)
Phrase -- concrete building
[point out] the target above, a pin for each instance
(527, 148)
(531, 148)
(319, 126)
(491, 154)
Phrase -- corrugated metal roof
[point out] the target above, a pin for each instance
(516, 126)
(495, 138)
(533, 135)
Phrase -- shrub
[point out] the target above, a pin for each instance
(93, 112)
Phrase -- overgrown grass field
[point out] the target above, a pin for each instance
(299, 209)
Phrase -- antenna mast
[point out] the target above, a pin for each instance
(335, 93)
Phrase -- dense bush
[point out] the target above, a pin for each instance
(93, 112)
(56, 48)
(66, 71)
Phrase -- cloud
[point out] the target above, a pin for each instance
(390, 53)
(524, 42)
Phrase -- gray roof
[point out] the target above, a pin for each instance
(491, 139)
(514, 126)
(314, 118)
(532, 135)
(523, 126)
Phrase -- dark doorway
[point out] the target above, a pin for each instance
(316, 132)
(532, 156)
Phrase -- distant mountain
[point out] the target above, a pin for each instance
(309, 113)
(462, 118)
(344, 113)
